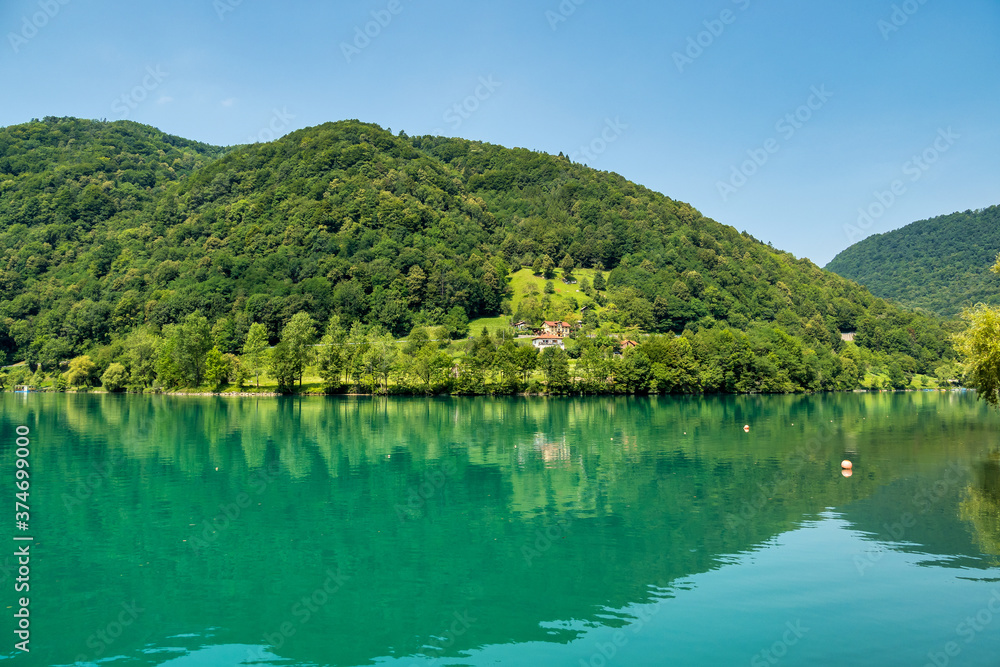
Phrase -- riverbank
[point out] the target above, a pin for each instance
(317, 394)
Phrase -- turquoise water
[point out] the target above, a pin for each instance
(602, 531)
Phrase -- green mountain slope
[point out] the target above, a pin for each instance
(941, 264)
(108, 227)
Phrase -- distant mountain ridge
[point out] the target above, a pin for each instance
(941, 264)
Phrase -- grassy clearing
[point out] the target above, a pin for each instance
(492, 324)
(520, 280)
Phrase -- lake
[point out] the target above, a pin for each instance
(190, 531)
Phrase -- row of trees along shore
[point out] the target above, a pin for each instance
(335, 358)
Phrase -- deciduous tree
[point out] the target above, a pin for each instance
(82, 371)
(298, 335)
(979, 346)
(115, 377)
(255, 351)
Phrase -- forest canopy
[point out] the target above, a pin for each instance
(115, 232)
(940, 265)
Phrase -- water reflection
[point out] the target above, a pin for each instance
(982, 505)
(543, 520)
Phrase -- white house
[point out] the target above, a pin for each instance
(542, 342)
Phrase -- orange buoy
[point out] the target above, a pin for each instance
(746, 428)
(846, 472)
(846, 465)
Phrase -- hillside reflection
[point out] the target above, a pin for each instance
(516, 513)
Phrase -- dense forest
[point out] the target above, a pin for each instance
(154, 262)
(940, 265)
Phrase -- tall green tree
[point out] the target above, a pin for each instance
(330, 356)
(217, 368)
(224, 335)
(430, 366)
(182, 356)
(416, 341)
(142, 348)
(383, 354)
(568, 266)
(548, 267)
(283, 367)
(979, 346)
(555, 365)
(457, 323)
(299, 335)
(115, 377)
(237, 371)
(356, 352)
(255, 351)
(82, 371)
(168, 370)
(525, 361)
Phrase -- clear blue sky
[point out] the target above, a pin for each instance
(226, 71)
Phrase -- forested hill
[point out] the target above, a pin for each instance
(941, 264)
(110, 227)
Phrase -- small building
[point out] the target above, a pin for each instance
(548, 340)
(520, 325)
(847, 336)
(557, 328)
(627, 344)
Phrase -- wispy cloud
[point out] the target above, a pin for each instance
(229, 101)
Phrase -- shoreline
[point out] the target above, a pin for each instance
(272, 394)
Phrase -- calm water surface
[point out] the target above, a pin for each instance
(604, 531)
